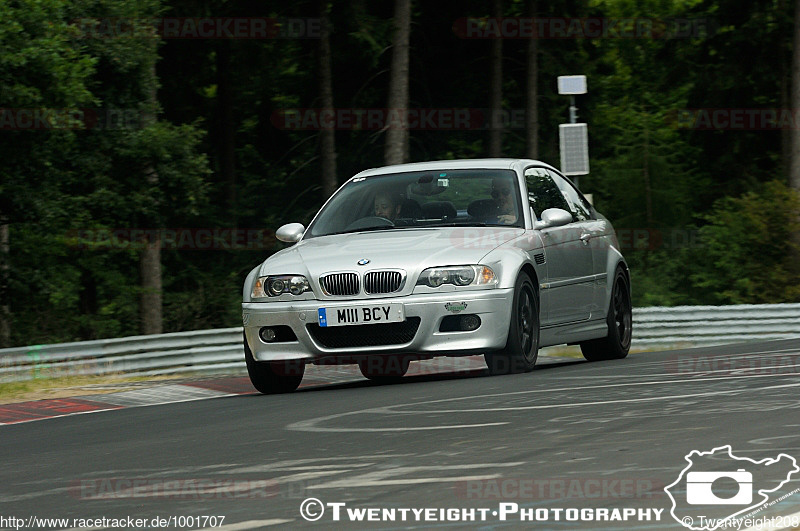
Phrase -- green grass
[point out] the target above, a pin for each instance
(575, 351)
(42, 388)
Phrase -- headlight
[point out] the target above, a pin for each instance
(278, 285)
(298, 285)
(476, 275)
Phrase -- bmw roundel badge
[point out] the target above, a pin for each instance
(363, 261)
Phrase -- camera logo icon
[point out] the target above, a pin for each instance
(699, 488)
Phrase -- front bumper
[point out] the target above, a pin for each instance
(492, 306)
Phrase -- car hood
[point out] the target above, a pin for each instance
(409, 249)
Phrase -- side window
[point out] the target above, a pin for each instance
(543, 192)
(577, 205)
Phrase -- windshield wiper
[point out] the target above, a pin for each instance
(461, 224)
(364, 229)
(394, 227)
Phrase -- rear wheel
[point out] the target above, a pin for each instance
(384, 368)
(617, 343)
(522, 345)
(271, 377)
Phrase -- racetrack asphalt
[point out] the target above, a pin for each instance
(570, 434)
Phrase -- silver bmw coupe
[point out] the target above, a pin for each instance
(450, 258)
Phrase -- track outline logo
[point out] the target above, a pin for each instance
(699, 488)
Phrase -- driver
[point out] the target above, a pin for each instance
(503, 196)
(387, 205)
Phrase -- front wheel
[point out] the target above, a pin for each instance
(273, 377)
(522, 345)
(617, 343)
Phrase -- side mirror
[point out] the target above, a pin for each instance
(290, 233)
(553, 217)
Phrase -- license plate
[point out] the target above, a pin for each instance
(361, 315)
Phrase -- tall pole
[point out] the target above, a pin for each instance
(573, 119)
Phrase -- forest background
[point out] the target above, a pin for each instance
(150, 148)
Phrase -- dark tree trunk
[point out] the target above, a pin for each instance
(794, 172)
(150, 297)
(648, 189)
(5, 311)
(785, 76)
(227, 126)
(87, 303)
(786, 134)
(532, 97)
(396, 150)
(496, 90)
(327, 136)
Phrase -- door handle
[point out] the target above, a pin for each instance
(585, 237)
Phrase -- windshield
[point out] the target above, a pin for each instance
(422, 199)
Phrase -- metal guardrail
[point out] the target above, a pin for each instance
(220, 350)
(714, 325)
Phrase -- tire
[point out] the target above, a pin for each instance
(617, 343)
(522, 345)
(273, 377)
(384, 368)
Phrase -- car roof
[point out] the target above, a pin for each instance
(458, 164)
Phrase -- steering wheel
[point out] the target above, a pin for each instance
(369, 222)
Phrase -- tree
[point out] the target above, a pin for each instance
(794, 171)
(5, 309)
(227, 126)
(397, 136)
(496, 87)
(41, 70)
(151, 296)
(90, 174)
(327, 135)
(651, 171)
(532, 91)
(747, 250)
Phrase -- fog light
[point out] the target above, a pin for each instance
(267, 334)
(470, 322)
